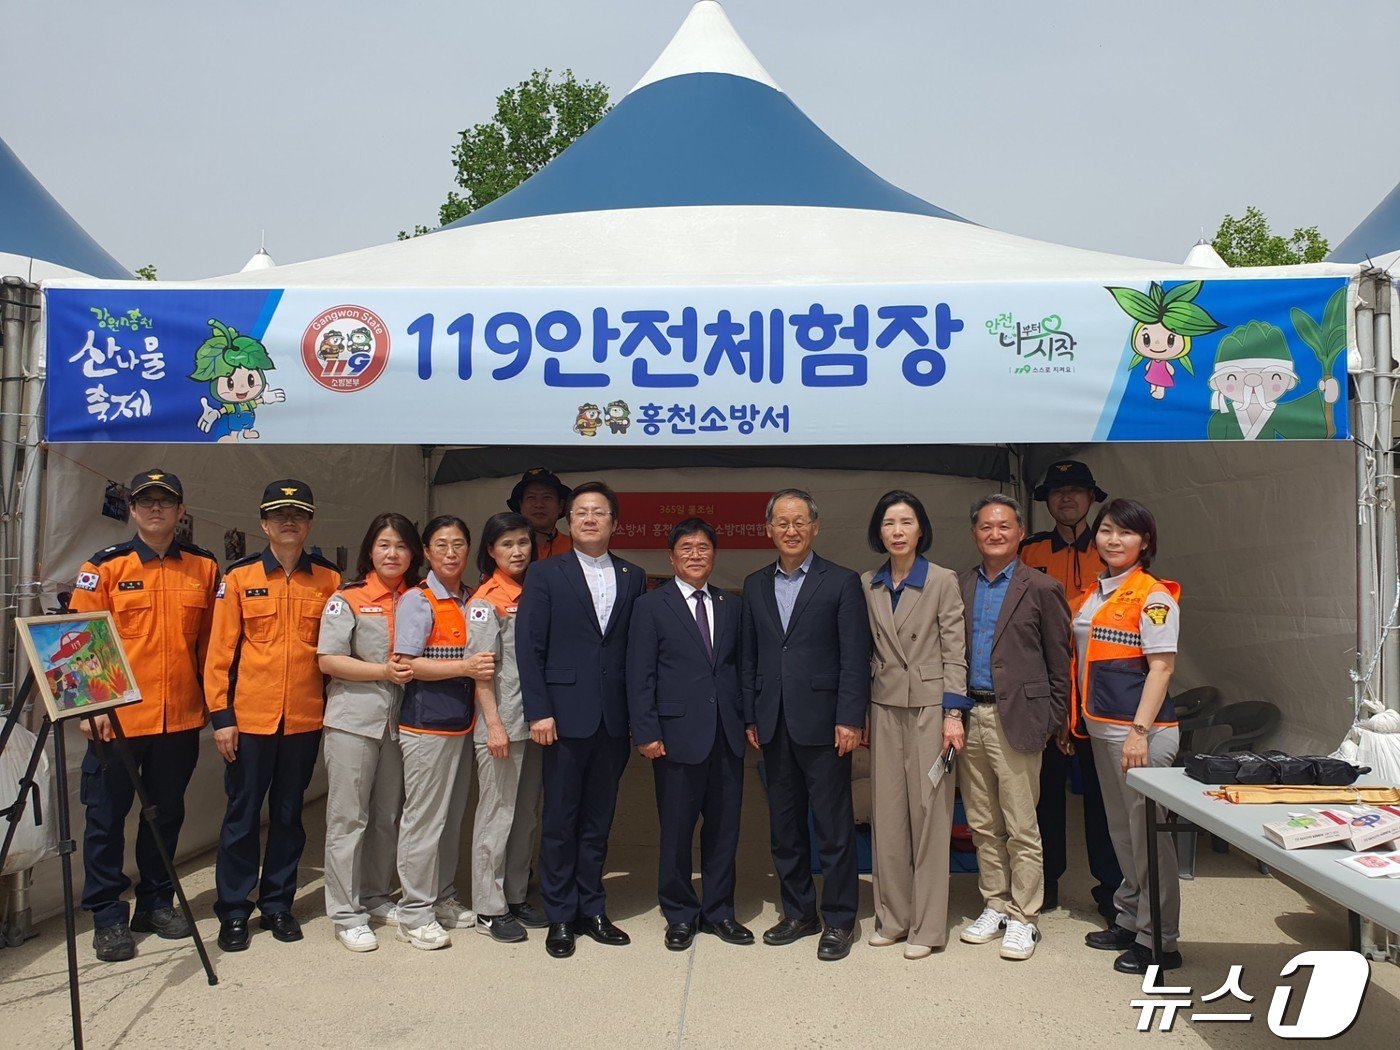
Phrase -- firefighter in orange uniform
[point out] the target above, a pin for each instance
(539, 496)
(160, 592)
(266, 696)
(1067, 553)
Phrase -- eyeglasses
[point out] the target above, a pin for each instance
(692, 550)
(800, 525)
(295, 516)
(152, 502)
(584, 513)
(444, 547)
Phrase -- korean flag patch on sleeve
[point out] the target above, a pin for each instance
(88, 581)
(335, 607)
(479, 613)
(222, 586)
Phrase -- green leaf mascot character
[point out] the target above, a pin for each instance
(1253, 369)
(1166, 324)
(235, 367)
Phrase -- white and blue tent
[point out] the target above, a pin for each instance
(706, 175)
(38, 238)
(1376, 238)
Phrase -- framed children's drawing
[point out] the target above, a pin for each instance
(80, 667)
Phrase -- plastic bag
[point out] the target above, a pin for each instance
(34, 841)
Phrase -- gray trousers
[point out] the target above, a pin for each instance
(363, 800)
(503, 839)
(1127, 826)
(436, 781)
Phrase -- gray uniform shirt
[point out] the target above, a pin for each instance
(496, 631)
(358, 621)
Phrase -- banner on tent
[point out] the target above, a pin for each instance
(1013, 362)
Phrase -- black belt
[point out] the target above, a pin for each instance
(982, 696)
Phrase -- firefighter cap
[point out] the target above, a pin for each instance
(157, 479)
(1068, 473)
(538, 476)
(287, 493)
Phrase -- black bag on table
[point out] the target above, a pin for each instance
(1290, 769)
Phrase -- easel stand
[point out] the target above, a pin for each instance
(66, 845)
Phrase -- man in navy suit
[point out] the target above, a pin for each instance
(688, 718)
(572, 651)
(805, 671)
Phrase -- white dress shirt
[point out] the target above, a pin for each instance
(602, 584)
(686, 591)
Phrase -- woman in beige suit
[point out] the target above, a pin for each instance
(916, 618)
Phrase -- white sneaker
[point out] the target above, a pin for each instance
(386, 914)
(984, 928)
(358, 939)
(453, 914)
(428, 937)
(1019, 940)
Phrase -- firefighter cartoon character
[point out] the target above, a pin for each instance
(332, 343)
(618, 417)
(1166, 324)
(362, 341)
(588, 421)
(235, 367)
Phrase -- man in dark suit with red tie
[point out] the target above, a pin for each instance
(687, 717)
(571, 647)
(804, 668)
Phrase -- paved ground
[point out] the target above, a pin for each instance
(315, 994)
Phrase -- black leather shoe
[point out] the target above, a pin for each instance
(601, 929)
(1051, 899)
(788, 930)
(114, 943)
(283, 924)
(528, 915)
(559, 942)
(163, 922)
(1137, 959)
(835, 943)
(1113, 939)
(727, 930)
(680, 935)
(233, 935)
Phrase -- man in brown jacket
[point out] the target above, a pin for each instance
(1018, 650)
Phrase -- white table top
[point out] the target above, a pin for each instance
(1242, 825)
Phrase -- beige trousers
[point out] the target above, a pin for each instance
(1000, 789)
(911, 824)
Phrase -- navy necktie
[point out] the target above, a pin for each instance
(702, 620)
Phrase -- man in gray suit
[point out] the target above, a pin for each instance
(1018, 674)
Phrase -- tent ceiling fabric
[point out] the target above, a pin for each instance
(988, 462)
(34, 226)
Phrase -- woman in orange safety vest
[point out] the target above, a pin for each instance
(1126, 627)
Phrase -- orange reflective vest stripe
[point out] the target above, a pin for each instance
(1109, 684)
(446, 706)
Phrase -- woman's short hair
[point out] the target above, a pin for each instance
(882, 506)
(405, 528)
(497, 525)
(1132, 516)
(445, 521)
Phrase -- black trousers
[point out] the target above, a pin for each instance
(277, 768)
(1050, 811)
(165, 763)
(712, 791)
(580, 796)
(802, 776)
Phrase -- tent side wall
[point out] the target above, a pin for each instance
(223, 486)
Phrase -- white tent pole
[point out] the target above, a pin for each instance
(1385, 495)
(17, 309)
(1367, 600)
(28, 576)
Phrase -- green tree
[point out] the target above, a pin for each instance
(535, 121)
(1248, 241)
(147, 272)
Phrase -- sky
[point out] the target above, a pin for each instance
(177, 131)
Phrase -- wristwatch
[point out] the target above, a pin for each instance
(952, 712)
(1138, 727)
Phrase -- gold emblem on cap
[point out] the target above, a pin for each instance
(155, 477)
(288, 492)
(1062, 467)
